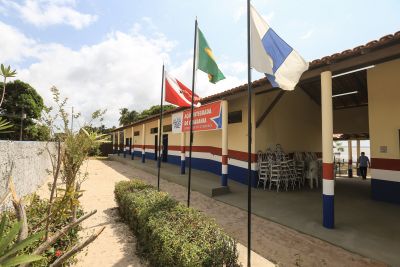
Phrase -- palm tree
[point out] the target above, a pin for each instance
(6, 73)
(4, 126)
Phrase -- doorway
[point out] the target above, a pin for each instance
(165, 148)
(155, 147)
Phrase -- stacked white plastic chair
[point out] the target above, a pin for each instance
(262, 169)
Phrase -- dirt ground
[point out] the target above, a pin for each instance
(116, 245)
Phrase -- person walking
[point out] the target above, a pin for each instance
(363, 163)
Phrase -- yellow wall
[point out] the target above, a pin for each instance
(137, 140)
(174, 139)
(236, 138)
(127, 133)
(384, 108)
(149, 138)
(295, 123)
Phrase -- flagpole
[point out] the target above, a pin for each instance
(160, 130)
(249, 133)
(191, 112)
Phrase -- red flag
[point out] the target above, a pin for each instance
(178, 94)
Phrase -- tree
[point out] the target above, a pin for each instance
(6, 73)
(23, 98)
(128, 117)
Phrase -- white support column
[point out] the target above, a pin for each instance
(124, 143)
(118, 142)
(350, 162)
(328, 183)
(143, 142)
(358, 150)
(113, 142)
(224, 145)
(183, 152)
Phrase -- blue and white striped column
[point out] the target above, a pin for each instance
(143, 143)
(224, 145)
(133, 149)
(126, 150)
(328, 183)
(350, 162)
(183, 153)
(114, 141)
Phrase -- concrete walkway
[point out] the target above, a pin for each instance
(271, 240)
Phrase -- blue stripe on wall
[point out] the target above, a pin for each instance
(240, 175)
(328, 211)
(385, 191)
(235, 173)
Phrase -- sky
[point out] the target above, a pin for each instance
(109, 54)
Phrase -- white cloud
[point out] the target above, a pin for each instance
(203, 86)
(307, 35)
(43, 13)
(241, 9)
(14, 45)
(239, 12)
(123, 70)
(268, 18)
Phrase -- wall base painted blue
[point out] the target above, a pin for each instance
(328, 211)
(350, 173)
(224, 179)
(183, 167)
(385, 191)
(235, 173)
(241, 175)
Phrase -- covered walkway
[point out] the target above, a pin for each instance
(363, 226)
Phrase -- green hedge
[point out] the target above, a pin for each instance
(169, 233)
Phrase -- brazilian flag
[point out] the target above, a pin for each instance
(206, 61)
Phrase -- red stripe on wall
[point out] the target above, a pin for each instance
(225, 159)
(327, 171)
(385, 164)
(174, 148)
(240, 155)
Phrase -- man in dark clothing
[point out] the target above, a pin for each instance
(363, 164)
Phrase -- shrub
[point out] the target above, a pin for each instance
(36, 212)
(169, 233)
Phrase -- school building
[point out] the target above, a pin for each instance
(352, 95)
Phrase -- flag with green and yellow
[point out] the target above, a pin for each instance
(206, 61)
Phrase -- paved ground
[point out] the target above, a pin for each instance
(274, 241)
(362, 225)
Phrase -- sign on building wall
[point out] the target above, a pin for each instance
(205, 118)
